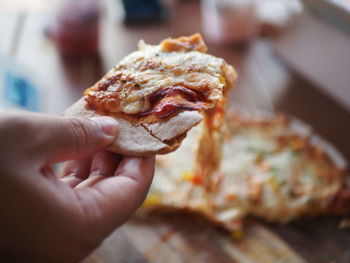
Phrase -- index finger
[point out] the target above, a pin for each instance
(112, 201)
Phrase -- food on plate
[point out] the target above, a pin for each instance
(158, 93)
(273, 167)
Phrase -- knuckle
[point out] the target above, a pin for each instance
(82, 132)
(97, 172)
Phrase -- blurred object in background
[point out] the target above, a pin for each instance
(75, 28)
(275, 15)
(318, 47)
(24, 5)
(344, 4)
(230, 21)
(335, 12)
(140, 11)
(18, 90)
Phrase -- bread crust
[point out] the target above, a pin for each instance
(139, 139)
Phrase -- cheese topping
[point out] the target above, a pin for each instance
(267, 170)
(130, 85)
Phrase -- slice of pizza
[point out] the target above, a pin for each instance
(158, 93)
(272, 167)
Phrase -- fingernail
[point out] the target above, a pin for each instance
(107, 124)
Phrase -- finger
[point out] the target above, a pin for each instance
(56, 139)
(104, 164)
(71, 181)
(47, 171)
(76, 171)
(77, 137)
(111, 201)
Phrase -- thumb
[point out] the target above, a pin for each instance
(71, 138)
(53, 139)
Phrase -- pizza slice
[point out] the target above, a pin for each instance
(273, 167)
(158, 93)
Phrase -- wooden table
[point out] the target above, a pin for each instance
(265, 82)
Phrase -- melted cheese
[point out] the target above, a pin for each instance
(262, 173)
(128, 86)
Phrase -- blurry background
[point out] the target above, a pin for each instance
(65, 46)
(292, 56)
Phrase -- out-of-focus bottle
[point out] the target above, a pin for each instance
(18, 89)
(143, 11)
(75, 28)
(230, 21)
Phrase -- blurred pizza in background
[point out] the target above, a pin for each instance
(272, 167)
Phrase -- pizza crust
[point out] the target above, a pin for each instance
(177, 125)
(137, 139)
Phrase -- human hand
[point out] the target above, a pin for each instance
(47, 219)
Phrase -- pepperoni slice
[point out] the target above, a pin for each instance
(171, 100)
(189, 94)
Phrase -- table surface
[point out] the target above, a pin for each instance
(265, 82)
